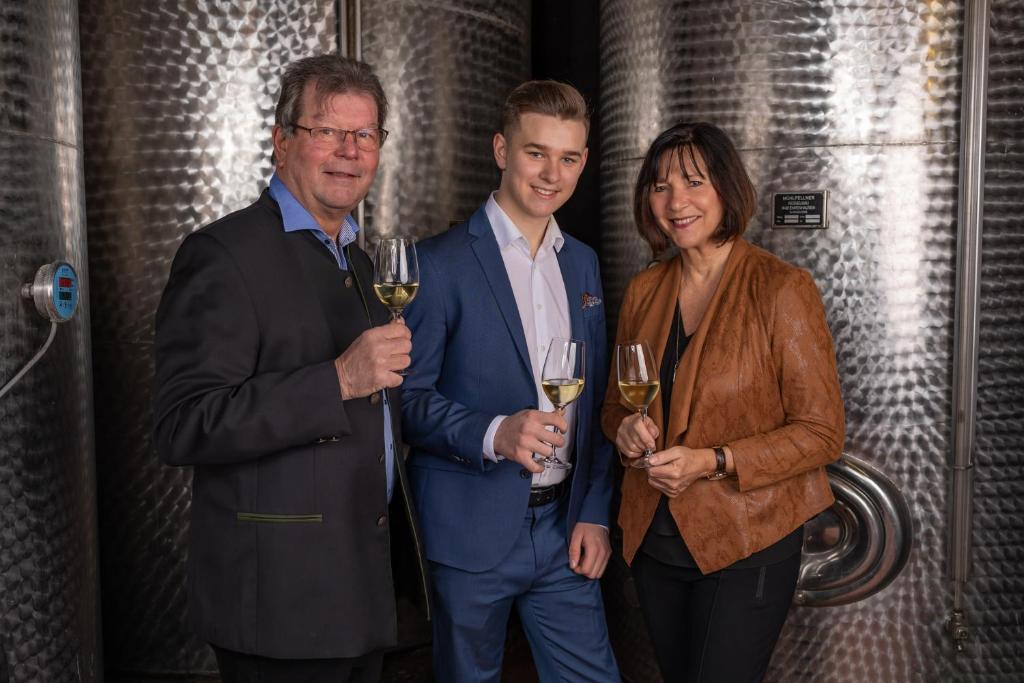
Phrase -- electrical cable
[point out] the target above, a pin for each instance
(35, 359)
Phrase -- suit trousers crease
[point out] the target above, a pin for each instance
(717, 627)
(562, 612)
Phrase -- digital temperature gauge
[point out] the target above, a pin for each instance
(54, 291)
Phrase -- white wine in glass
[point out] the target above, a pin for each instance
(396, 296)
(562, 392)
(562, 379)
(396, 274)
(638, 382)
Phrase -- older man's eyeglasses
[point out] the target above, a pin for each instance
(366, 139)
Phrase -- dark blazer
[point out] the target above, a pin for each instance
(759, 375)
(291, 539)
(469, 364)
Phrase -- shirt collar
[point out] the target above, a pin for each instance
(295, 217)
(506, 232)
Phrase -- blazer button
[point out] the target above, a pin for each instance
(381, 458)
(348, 281)
(382, 520)
(375, 398)
(524, 473)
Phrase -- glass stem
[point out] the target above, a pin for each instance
(561, 411)
(643, 415)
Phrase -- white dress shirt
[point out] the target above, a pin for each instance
(544, 310)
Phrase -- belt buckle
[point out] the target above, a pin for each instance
(546, 494)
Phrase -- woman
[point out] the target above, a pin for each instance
(749, 414)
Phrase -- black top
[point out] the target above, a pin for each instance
(663, 541)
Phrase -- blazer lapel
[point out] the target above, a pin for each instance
(654, 330)
(573, 292)
(573, 281)
(686, 375)
(485, 246)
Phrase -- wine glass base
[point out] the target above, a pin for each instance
(643, 462)
(553, 463)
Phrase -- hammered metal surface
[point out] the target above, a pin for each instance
(796, 73)
(178, 107)
(49, 614)
(995, 594)
(860, 98)
(446, 67)
(775, 75)
(39, 70)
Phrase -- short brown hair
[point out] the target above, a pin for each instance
(726, 174)
(550, 98)
(333, 75)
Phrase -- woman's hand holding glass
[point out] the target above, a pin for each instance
(672, 470)
(637, 438)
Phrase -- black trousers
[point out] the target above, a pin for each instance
(714, 628)
(238, 667)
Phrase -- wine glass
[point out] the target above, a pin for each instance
(396, 274)
(562, 379)
(638, 382)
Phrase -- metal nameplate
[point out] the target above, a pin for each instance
(804, 209)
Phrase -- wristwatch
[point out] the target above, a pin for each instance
(719, 472)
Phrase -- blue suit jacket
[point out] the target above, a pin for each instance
(469, 364)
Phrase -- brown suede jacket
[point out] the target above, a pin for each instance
(759, 375)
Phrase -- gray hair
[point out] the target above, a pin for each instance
(333, 75)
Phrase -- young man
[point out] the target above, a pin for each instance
(499, 528)
(276, 379)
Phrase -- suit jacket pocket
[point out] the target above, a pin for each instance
(272, 518)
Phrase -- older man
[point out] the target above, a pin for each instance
(276, 379)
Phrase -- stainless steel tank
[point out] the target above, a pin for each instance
(49, 611)
(178, 106)
(995, 588)
(179, 101)
(862, 99)
(447, 67)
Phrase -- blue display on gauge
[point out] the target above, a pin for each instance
(65, 291)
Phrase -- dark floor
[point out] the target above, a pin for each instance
(407, 666)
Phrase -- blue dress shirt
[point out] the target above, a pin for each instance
(295, 217)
